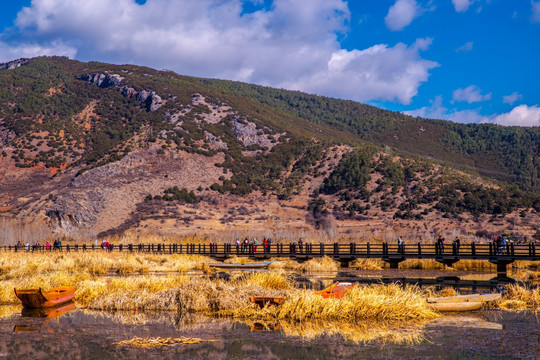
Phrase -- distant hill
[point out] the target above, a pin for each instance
(95, 149)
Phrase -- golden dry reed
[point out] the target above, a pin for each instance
(158, 342)
(100, 287)
(520, 298)
(322, 264)
(380, 302)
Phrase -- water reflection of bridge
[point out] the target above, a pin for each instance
(342, 252)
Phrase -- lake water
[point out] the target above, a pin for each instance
(82, 334)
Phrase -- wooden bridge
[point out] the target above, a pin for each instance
(344, 253)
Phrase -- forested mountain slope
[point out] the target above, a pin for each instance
(511, 154)
(108, 148)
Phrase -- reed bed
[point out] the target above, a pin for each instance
(22, 264)
(321, 264)
(154, 342)
(381, 302)
(367, 264)
(518, 297)
(9, 310)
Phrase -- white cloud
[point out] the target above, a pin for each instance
(468, 46)
(521, 115)
(379, 72)
(401, 14)
(462, 5)
(292, 44)
(470, 94)
(535, 17)
(512, 98)
(434, 111)
(27, 50)
(438, 111)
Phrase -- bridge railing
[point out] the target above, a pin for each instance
(380, 250)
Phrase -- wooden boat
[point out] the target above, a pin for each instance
(336, 290)
(263, 300)
(461, 302)
(465, 298)
(37, 298)
(456, 306)
(257, 265)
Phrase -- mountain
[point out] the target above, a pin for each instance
(98, 149)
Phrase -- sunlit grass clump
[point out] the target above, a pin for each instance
(319, 264)
(380, 302)
(520, 298)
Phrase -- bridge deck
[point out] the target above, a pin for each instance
(339, 251)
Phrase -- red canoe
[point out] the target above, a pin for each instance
(37, 298)
(336, 290)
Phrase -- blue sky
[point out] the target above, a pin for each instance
(460, 60)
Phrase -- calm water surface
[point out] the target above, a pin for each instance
(80, 334)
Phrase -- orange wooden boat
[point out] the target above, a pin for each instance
(336, 290)
(37, 298)
(263, 300)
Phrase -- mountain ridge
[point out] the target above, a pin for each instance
(100, 149)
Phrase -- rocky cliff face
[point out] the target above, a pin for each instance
(105, 197)
(149, 98)
(13, 64)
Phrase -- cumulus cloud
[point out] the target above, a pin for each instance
(462, 5)
(379, 72)
(521, 115)
(292, 44)
(470, 94)
(468, 46)
(535, 17)
(436, 110)
(27, 50)
(401, 14)
(512, 98)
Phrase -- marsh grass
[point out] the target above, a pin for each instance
(105, 282)
(381, 302)
(319, 264)
(518, 297)
(9, 310)
(367, 264)
(158, 342)
(322, 264)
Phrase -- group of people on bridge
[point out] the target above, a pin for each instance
(250, 246)
(56, 245)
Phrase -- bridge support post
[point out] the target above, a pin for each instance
(447, 261)
(501, 266)
(344, 261)
(393, 261)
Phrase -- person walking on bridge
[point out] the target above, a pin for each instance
(401, 245)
